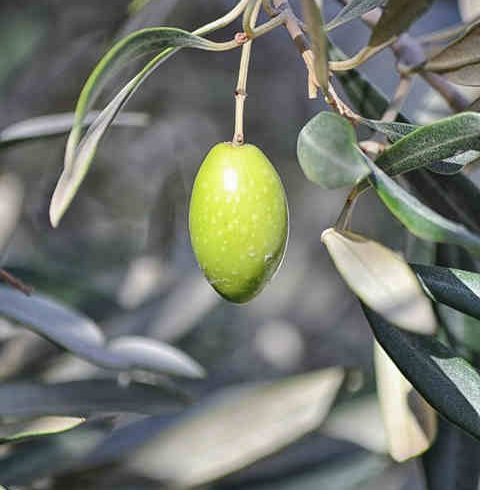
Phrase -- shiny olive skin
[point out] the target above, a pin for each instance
(238, 220)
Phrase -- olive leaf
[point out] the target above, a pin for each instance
(38, 427)
(410, 422)
(81, 336)
(397, 17)
(236, 428)
(81, 398)
(353, 10)
(420, 220)
(454, 287)
(381, 279)
(459, 61)
(432, 143)
(455, 196)
(327, 152)
(161, 41)
(315, 27)
(42, 127)
(446, 381)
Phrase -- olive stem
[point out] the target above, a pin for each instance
(345, 218)
(14, 282)
(223, 21)
(250, 17)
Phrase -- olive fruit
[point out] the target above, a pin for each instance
(238, 220)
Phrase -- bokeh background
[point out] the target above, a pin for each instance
(122, 254)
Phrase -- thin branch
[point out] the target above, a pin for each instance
(12, 281)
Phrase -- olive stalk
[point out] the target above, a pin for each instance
(249, 20)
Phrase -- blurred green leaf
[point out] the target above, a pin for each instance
(410, 422)
(454, 287)
(452, 462)
(79, 335)
(394, 131)
(420, 220)
(327, 152)
(432, 143)
(448, 382)
(237, 428)
(81, 398)
(80, 151)
(381, 279)
(59, 124)
(459, 61)
(353, 10)
(43, 426)
(315, 27)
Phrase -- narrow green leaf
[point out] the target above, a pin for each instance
(432, 143)
(455, 196)
(315, 27)
(409, 420)
(454, 287)
(452, 462)
(40, 427)
(459, 61)
(381, 279)
(446, 381)
(81, 398)
(59, 124)
(81, 336)
(394, 131)
(417, 217)
(397, 17)
(327, 152)
(237, 428)
(80, 151)
(353, 10)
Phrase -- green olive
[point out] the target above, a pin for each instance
(238, 220)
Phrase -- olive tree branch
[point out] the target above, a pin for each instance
(12, 281)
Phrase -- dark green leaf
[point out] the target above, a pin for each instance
(417, 217)
(448, 382)
(459, 61)
(78, 334)
(327, 152)
(452, 462)
(454, 287)
(59, 124)
(80, 151)
(432, 143)
(315, 26)
(353, 10)
(455, 196)
(394, 131)
(80, 398)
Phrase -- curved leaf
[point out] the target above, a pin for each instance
(459, 61)
(432, 143)
(417, 217)
(454, 287)
(353, 10)
(446, 381)
(237, 428)
(381, 279)
(80, 151)
(327, 152)
(59, 124)
(81, 398)
(79, 335)
(43, 426)
(410, 422)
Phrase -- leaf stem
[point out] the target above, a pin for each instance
(345, 218)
